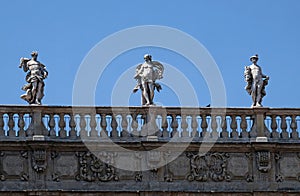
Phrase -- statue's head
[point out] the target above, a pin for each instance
(34, 54)
(147, 57)
(254, 58)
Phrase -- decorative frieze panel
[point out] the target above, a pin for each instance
(93, 169)
(180, 168)
(14, 165)
(240, 166)
(211, 166)
(65, 166)
(128, 165)
(287, 167)
(154, 159)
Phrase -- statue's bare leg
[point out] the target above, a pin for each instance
(39, 94)
(259, 97)
(151, 91)
(143, 100)
(145, 93)
(34, 91)
(254, 94)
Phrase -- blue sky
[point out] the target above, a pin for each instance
(231, 30)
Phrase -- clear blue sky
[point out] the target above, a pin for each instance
(64, 31)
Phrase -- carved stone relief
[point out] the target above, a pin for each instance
(39, 160)
(211, 166)
(92, 168)
(263, 161)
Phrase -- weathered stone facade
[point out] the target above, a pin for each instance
(229, 167)
(37, 164)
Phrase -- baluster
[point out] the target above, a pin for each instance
(52, 125)
(44, 131)
(146, 125)
(267, 131)
(134, 124)
(253, 130)
(214, 127)
(233, 127)
(294, 134)
(194, 126)
(2, 133)
(224, 133)
(283, 127)
(203, 125)
(82, 124)
(243, 125)
(174, 126)
(62, 124)
(146, 118)
(11, 123)
(124, 125)
(184, 126)
(153, 126)
(72, 125)
(28, 121)
(21, 125)
(114, 126)
(274, 126)
(103, 125)
(93, 125)
(164, 126)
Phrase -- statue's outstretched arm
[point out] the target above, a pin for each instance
(23, 64)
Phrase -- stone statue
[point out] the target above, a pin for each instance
(255, 81)
(146, 75)
(36, 73)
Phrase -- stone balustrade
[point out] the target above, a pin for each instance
(140, 122)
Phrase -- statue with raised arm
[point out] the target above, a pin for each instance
(146, 75)
(36, 73)
(256, 81)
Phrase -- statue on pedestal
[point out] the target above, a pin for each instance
(36, 73)
(256, 81)
(146, 76)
